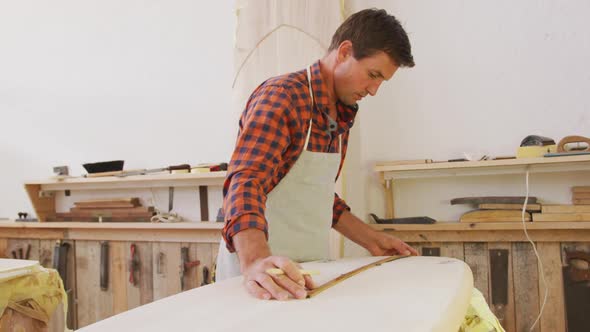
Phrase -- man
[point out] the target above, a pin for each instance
(279, 199)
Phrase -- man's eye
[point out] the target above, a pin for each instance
(371, 75)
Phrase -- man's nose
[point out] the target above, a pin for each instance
(372, 88)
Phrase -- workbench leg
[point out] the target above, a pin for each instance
(389, 204)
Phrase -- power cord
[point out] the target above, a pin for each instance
(526, 199)
(167, 217)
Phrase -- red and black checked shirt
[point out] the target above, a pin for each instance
(273, 128)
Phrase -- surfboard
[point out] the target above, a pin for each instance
(409, 294)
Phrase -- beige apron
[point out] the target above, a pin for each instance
(298, 210)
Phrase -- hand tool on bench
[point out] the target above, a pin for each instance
(408, 220)
(576, 289)
(60, 260)
(565, 148)
(206, 280)
(104, 265)
(155, 170)
(28, 251)
(185, 265)
(134, 266)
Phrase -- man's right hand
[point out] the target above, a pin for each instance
(255, 258)
(264, 286)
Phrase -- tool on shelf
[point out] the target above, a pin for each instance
(572, 146)
(408, 220)
(104, 265)
(534, 146)
(134, 265)
(186, 264)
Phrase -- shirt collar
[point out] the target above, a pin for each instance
(346, 113)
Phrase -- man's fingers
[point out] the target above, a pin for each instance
(275, 290)
(290, 268)
(255, 290)
(309, 284)
(295, 289)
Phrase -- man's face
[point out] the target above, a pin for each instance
(354, 79)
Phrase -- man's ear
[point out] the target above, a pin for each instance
(344, 51)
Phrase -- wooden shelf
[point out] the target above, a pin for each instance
(209, 232)
(129, 182)
(41, 193)
(391, 171)
(490, 232)
(485, 167)
(113, 225)
(458, 226)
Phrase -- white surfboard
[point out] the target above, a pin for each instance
(410, 294)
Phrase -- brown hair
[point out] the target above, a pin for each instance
(373, 30)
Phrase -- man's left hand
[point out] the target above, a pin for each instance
(388, 245)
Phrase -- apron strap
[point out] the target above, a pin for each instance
(312, 106)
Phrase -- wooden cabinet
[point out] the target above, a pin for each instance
(158, 248)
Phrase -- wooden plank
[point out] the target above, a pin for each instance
(553, 318)
(389, 199)
(581, 195)
(494, 216)
(452, 249)
(118, 275)
(71, 287)
(529, 207)
(492, 235)
(565, 209)
(477, 258)
(166, 265)
(165, 235)
(581, 201)
(43, 206)
(46, 253)
(560, 217)
(581, 189)
(506, 313)
(88, 281)
(526, 286)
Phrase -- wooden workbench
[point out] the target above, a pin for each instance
(158, 247)
(504, 264)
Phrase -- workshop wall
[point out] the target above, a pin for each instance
(84, 81)
(487, 74)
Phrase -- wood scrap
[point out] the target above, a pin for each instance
(539, 217)
(109, 203)
(529, 207)
(581, 189)
(581, 201)
(494, 216)
(559, 208)
(493, 200)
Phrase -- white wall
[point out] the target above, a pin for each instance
(487, 74)
(82, 81)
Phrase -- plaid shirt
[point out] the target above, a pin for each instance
(273, 128)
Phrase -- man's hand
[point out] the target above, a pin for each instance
(255, 258)
(388, 245)
(265, 286)
(377, 243)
